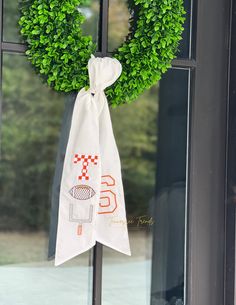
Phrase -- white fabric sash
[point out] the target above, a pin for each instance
(91, 206)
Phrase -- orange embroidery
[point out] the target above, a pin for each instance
(108, 180)
(86, 159)
(108, 202)
(79, 230)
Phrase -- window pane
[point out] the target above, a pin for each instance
(91, 10)
(126, 280)
(119, 26)
(31, 123)
(11, 16)
(168, 257)
(152, 136)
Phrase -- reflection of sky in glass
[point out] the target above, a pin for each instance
(87, 12)
(91, 13)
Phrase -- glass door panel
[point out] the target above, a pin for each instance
(118, 23)
(152, 140)
(126, 280)
(11, 15)
(169, 211)
(31, 123)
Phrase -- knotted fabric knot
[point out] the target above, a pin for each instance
(103, 72)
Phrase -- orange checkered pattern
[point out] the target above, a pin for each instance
(86, 160)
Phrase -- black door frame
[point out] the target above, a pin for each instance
(231, 170)
(207, 155)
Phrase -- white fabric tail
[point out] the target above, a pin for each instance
(92, 206)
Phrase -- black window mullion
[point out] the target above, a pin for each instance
(98, 249)
(183, 63)
(97, 274)
(13, 47)
(103, 27)
(231, 172)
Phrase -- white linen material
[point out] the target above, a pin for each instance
(92, 206)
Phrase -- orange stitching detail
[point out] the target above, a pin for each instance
(115, 202)
(106, 182)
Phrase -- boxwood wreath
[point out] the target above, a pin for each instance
(60, 52)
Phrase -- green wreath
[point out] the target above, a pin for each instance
(60, 53)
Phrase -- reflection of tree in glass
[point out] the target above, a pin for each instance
(118, 26)
(11, 30)
(118, 23)
(31, 125)
(136, 134)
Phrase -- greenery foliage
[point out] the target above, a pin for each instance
(59, 51)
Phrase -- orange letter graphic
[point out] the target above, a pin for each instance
(108, 203)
